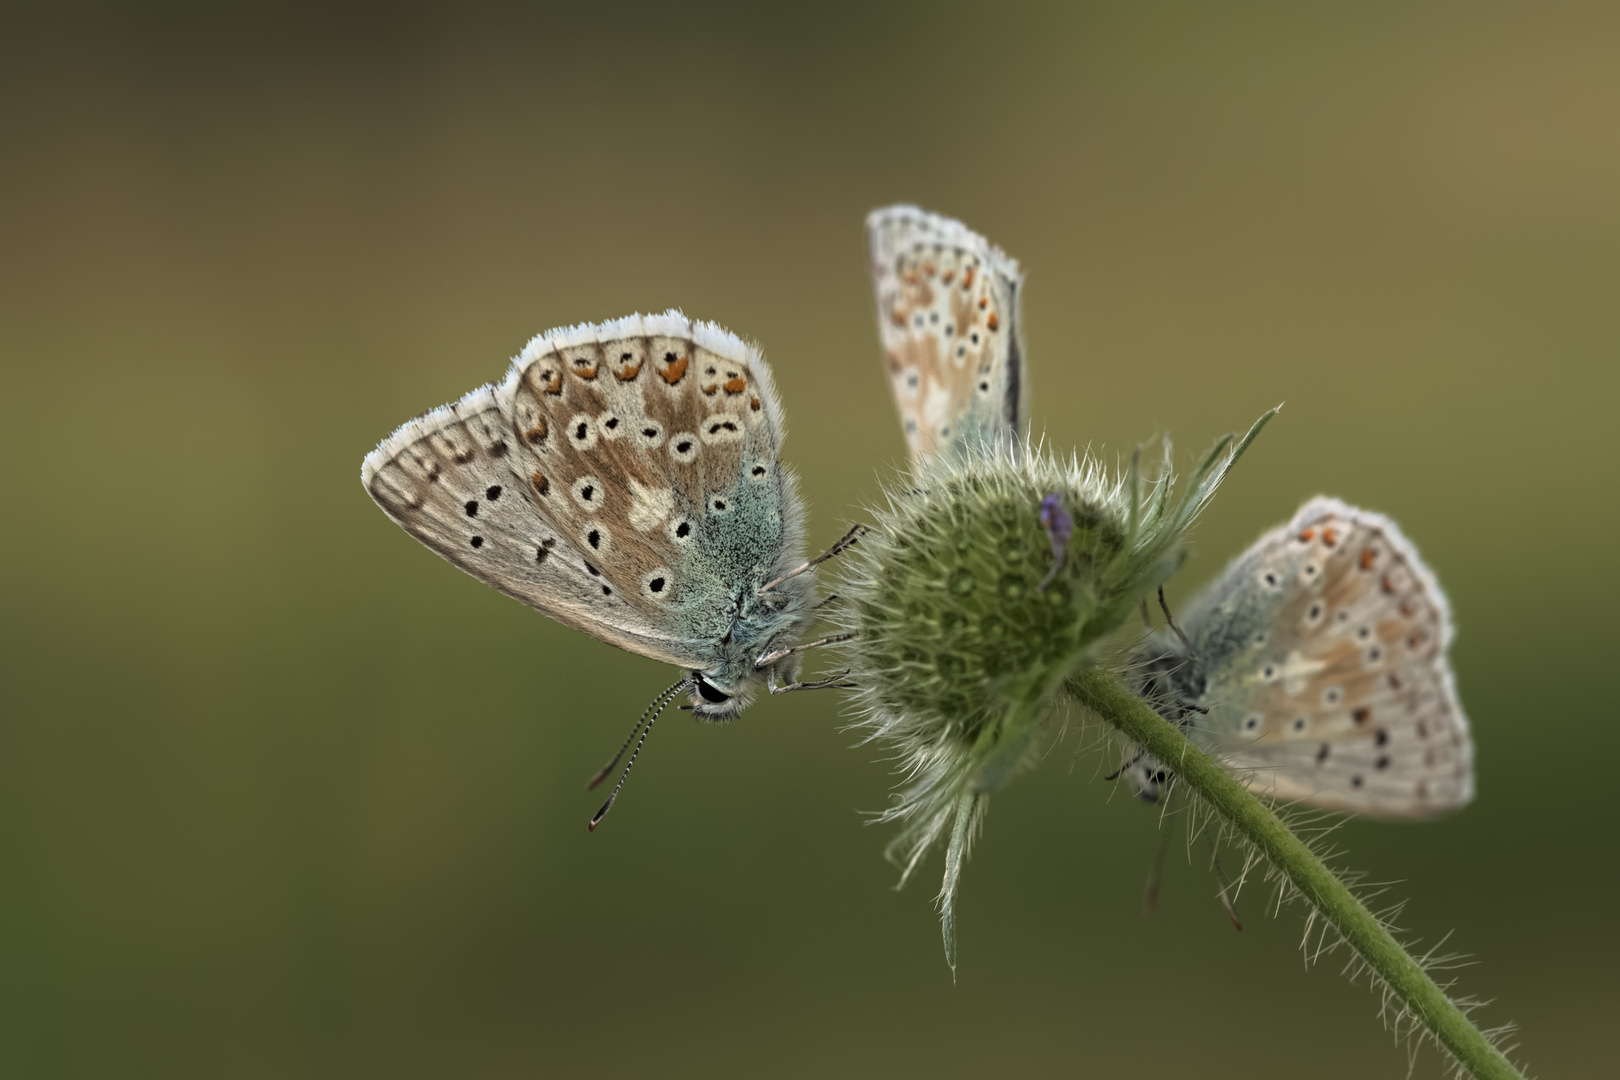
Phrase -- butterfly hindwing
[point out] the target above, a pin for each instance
(948, 317)
(1321, 654)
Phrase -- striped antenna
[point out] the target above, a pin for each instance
(644, 726)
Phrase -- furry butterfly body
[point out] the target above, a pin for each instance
(624, 479)
(1315, 666)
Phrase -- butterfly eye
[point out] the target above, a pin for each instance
(711, 694)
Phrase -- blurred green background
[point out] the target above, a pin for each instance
(283, 794)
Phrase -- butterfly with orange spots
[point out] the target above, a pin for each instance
(1315, 667)
(947, 305)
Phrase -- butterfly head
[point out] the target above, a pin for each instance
(718, 698)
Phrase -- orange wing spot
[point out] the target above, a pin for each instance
(708, 391)
(628, 372)
(967, 279)
(537, 433)
(553, 383)
(1407, 609)
(984, 302)
(753, 404)
(898, 317)
(1367, 557)
(585, 369)
(1330, 536)
(541, 484)
(909, 277)
(947, 276)
(894, 366)
(1361, 715)
(675, 369)
(928, 268)
(737, 385)
(993, 322)
(1307, 536)
(1387, 585)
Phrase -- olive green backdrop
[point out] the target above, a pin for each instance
(283, 794)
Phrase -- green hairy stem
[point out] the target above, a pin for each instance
(1104, 694)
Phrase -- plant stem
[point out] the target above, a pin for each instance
(1106, 695)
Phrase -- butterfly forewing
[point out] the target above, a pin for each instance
(1323, 655)
(599, 479)
(947, 307)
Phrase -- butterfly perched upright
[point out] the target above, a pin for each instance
(626, 480)
(1315, 666)
(948, 316)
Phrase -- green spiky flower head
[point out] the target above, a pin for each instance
(970, 607)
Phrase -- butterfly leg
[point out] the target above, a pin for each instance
(1226, 885)
(772, 657)
(848, 540)
(834, 682)
(1150, 891)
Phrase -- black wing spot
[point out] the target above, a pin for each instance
(594, 538)
(478, 541)
(669, 358)
(498, 450)
(656, 584)
(544, 551)
(493, 493)
(472, 508)
(649, 432)
(606, 591)
(594, 571)
(759, 470)
(683, 529)
(579, 432)
(587, 492)
(683, 446)
(1355, 781)
(719, 504)
(611, 423)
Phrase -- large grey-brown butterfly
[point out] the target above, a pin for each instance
(1316, 667)
(626, 480)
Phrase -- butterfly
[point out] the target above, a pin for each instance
(1316, 667)
(948, 316)
(626, 480)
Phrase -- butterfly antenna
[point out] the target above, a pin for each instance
(602, 813)
(848, 540)
(658, 704)
(1171, 622)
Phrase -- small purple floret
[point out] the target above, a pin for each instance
(1059, 527)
